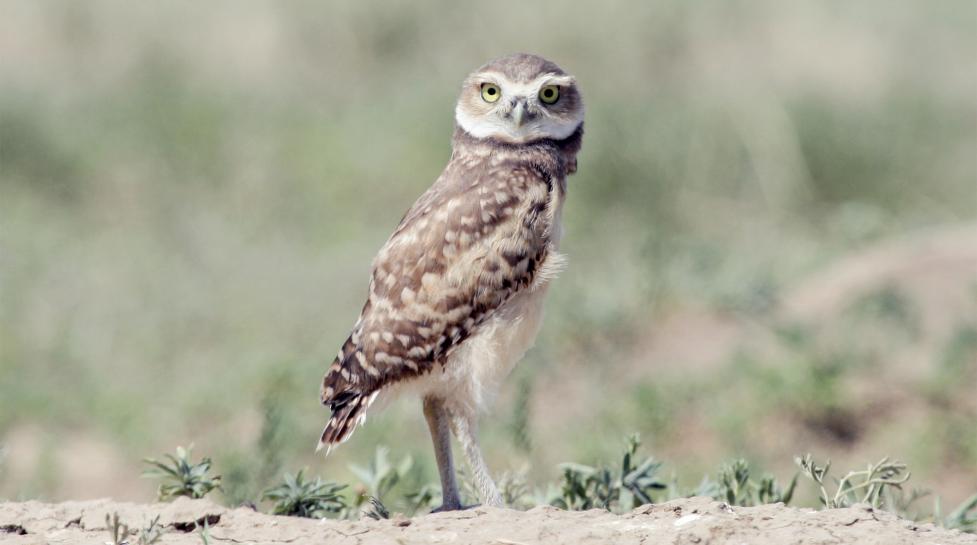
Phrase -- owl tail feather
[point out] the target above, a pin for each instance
(346, 416)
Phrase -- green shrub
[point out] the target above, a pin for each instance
(182, 477)
(297, 497)
(735, 486)
(586, 487)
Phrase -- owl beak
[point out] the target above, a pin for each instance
(519, 113)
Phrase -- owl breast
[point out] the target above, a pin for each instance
(474, 371)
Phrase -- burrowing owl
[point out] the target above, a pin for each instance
(456, 296)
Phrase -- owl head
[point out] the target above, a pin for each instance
(518, 99)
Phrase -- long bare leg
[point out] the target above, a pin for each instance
(438, 422)
(465, 427)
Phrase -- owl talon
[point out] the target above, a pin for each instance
(458, 507)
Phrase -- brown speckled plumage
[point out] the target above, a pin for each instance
(476, 237)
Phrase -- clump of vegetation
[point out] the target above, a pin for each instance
(120, 532)
(182, 477)
(963, 517)
(865, 486)
(736, 486)
(297, 497)
(586, 487)
(379, 479)
(515, 490)
(421, 499)
(380, 476)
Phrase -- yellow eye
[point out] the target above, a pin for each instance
(490, 92)
(549, 94)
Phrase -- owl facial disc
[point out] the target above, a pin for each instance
(520, 99)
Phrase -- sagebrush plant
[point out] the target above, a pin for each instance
(181, 476)
(298, 497)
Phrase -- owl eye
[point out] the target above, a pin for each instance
(549, 94)
(490, 92)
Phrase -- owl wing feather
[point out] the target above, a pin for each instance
(477, 237)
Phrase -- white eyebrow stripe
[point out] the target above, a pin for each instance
(530, 88)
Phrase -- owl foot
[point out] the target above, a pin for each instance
(458, 507)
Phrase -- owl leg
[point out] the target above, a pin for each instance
(465, 426)
(438, 422)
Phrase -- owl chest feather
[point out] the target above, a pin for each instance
(474, 371)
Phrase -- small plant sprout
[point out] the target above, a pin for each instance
(638, 480)
(866, 486)
(735, 486)
(381, 476)
(817, 474)
(964, 517)
(769, 491)
(376, 510)
(182, 477)
(421, 499)
(296, 497)
(204, 531)
(120, 532)
(515, 490)
(466, 487)
(151, 534)
(734, 482)
(904, 502)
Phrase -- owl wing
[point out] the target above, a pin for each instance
(467, 246)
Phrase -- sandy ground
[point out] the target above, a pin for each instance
(694, 521)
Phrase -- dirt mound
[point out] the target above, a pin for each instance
(694, 520)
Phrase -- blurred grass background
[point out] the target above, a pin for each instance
(771, 235)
